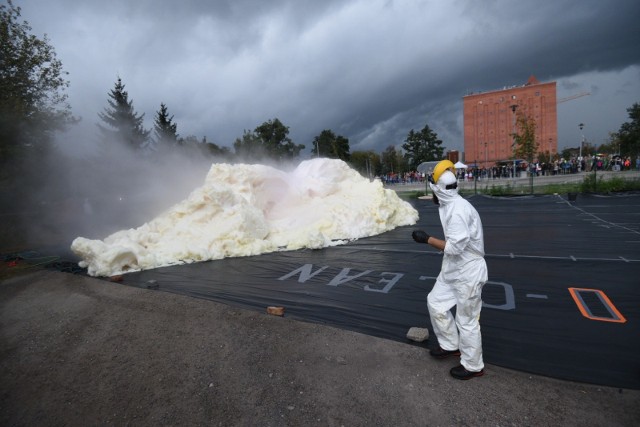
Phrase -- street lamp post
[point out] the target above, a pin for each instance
(514, 107)
(581, 126)
(474, 176)
(485, 159)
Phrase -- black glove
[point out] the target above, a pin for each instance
(420, 236)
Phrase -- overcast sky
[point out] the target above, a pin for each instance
(370, 70)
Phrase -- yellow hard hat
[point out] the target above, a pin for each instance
(441, 167)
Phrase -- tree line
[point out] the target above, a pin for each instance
(34, 106)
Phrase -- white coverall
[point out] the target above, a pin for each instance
(463, 274)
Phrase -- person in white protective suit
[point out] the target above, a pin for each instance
(461, 278)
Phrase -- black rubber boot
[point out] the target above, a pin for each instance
(461, 373)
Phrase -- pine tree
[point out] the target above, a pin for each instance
(422, 146)
(164, 129)
(124, 124)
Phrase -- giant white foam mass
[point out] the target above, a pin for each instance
(244, 210)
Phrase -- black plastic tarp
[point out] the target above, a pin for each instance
(562, 300)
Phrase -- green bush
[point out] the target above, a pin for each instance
(590, 183)
(560, 188)
(502, 190)
(597, 184)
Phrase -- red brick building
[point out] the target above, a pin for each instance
(489, 121)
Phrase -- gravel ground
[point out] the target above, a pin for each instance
(80, 351)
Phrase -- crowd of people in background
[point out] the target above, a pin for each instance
(402, 178)
(561, 166)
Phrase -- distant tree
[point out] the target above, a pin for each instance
(421, 147)
(270, 140)
(629, 133)
(366, 162)
(331, 146)
(192, 146)
(611, 146)
(342, 148)
(545, 157)
(526, 145)
(33, 105)
(393, 161)
(124, 125)
(276, 142)
(214, 150)
(188, 140)
(569, 153)
(249, 147)
(165, 130)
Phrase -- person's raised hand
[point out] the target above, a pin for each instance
(420, 236)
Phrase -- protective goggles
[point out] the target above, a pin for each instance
(448, 187)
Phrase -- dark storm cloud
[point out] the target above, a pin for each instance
(369, 70)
